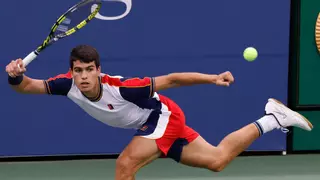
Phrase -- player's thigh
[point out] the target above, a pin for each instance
(139, 152)
(199, 153)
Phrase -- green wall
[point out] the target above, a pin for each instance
(304, 140)
(309, 70)
(308, 76)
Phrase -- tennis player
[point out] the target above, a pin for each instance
(159, 121)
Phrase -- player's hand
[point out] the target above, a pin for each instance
(225, 79)
(15, 68)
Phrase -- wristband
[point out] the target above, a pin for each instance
(15, 81)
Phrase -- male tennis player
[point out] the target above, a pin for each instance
(160, 123)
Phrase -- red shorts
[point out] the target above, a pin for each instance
(168, 129)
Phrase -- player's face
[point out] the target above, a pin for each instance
(86, 77)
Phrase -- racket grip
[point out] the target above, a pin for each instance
(30, 58)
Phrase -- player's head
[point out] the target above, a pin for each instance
(85, 54)
(85, 67)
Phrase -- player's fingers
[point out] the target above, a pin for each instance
(9, 68)
(23, 70)
(20, 71)
(11, 74)
(231, 79)
(14, 63)
(223, 83)
(228, 77)
(15, 73)
(15, 68)
(19, 66)
(20, 63)
(228, 74)
(11, 63)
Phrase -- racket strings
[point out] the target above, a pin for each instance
(75, 16)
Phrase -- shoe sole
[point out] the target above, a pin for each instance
(305, 119)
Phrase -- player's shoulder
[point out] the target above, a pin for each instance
(111, 79)
(106, 76)
(61, 76)
(120, 81)
(59, 84)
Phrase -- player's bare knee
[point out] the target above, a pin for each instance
(124, 165)
(216, 166)
(218, 163)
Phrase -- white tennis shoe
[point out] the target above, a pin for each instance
(286, 117)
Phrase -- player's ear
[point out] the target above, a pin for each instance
(99, 69)
(71, 72)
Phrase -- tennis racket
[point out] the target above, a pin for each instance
(70, 22)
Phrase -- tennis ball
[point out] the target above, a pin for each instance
(250, 54)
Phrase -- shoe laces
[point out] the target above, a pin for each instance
(284, 130)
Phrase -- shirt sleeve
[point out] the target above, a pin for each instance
(59, 85)
(132, 89)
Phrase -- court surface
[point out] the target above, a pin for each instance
(291, 167)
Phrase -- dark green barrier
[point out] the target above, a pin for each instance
(304, 140)
(305, 93)
(309, 65)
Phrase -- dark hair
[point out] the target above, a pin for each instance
(85, 54)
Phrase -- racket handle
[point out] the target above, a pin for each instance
(30, 58)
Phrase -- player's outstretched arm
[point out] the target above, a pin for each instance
(189, 78)
(22, 83)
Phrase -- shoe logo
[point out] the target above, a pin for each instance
(284, 115)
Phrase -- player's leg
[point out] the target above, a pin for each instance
(152, 140)
(199, 153)
(139, 152)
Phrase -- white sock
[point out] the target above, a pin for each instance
(266, 124)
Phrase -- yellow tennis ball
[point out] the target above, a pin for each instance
(250, 54)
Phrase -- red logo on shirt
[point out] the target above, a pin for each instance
(144, 128)
(110, 106)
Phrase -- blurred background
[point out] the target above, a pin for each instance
(156, 38)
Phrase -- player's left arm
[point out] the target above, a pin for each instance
(189, 78)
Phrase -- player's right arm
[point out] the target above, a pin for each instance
(191, 78)
(22, 83)
(59, 85)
